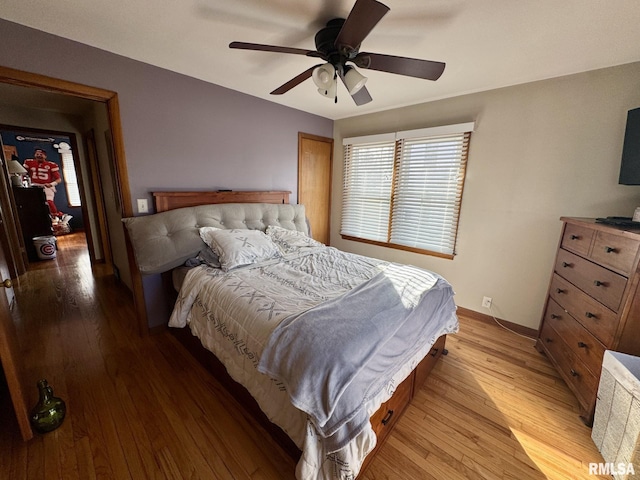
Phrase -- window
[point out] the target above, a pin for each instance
(70, 179)
(404, 190)
(69, 174)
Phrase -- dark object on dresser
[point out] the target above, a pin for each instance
(619, 222)
(630, 164)
(593, 304)
(33, 214)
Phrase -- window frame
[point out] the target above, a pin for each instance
(397, 139)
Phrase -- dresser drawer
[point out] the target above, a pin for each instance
(584, 346)
(604, 285)
(383, 420)
(577, 238)
(594, 316)
(581, 381)
(615, 252)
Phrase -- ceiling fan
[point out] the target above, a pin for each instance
(338, 44)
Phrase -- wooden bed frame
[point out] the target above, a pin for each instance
(382, 421)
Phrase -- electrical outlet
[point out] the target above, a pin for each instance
(486, 302)
(143, 207)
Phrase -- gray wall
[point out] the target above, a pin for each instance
(179, 132)
(540, 151)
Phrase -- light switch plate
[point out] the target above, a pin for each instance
(143, 206)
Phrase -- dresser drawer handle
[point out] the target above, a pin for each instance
(387, 417)
(566, 265)
(559, 290)
(590, 315)
(610, 249)
(575, 237)
(548, 340)
(554, 316)
(582, 345)
(574, 373)
(598, 283)
(434, 352)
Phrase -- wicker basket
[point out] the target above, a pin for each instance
(616, 424)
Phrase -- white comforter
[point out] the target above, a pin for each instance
(234, 314)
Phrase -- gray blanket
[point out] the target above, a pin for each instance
(336, 356)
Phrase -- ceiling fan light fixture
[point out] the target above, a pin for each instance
(330, 91)
(338, 43)
(354, 80)
(323, 76)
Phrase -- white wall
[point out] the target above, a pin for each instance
(540, 151)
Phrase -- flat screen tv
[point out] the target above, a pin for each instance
(630, 166)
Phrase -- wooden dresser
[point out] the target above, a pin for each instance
(33, 213)
(593, 304)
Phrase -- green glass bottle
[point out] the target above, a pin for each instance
(49, 412)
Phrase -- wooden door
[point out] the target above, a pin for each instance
(9, 352)
(315, 158)
(103, 250)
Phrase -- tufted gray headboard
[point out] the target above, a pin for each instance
(166, 240)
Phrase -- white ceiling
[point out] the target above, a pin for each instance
(486, 44)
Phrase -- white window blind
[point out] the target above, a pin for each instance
(406, 192)
(428, 192)
(70, 179)
(368, 173)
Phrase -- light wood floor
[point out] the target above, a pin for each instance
(143, 408)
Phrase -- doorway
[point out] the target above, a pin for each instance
(46, 189)
(45, 88)
(88, 109)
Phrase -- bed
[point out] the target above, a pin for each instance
(331, 401)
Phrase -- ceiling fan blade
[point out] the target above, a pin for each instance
(411, 67)
(361, 96)
(295, 81)
(273, 48)
(364, 15)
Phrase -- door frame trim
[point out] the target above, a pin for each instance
(110, 98)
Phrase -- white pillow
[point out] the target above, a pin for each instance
(290, 240)
(238, 246)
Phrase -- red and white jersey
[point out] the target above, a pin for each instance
(42, 172)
